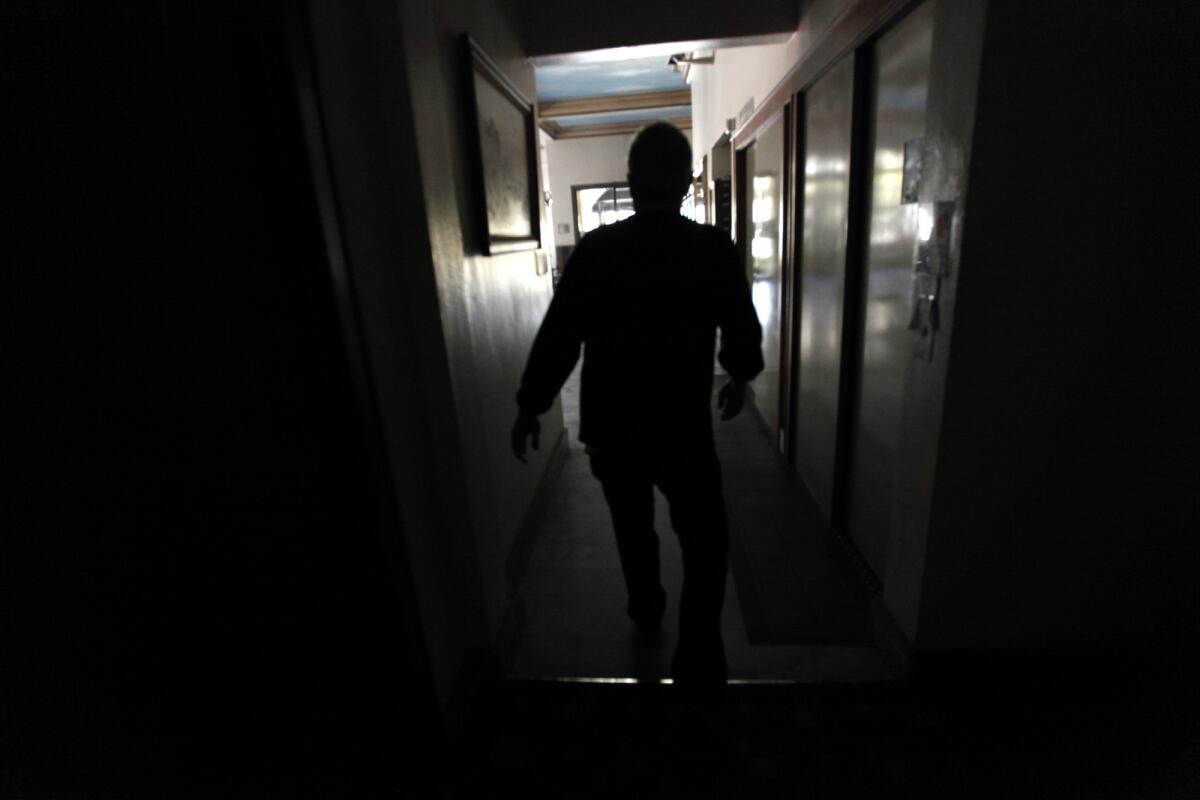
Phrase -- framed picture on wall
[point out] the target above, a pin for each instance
(503, 142)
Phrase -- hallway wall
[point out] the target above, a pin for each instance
(1064, 512)
(448, 328)
(490, 306)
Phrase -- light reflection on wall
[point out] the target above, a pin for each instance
(760, 295)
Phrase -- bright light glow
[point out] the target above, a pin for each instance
(889, 160)
(815, 165)
(881, 316)
(924, 223)
(760, 295)
(762, 210)
(762, 247)
(806, 337)
(763, 183)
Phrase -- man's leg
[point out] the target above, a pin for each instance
(630, 494)
(691, 482)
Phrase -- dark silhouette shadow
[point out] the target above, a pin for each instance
(644, 299)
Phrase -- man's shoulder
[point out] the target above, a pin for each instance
(712, 242)
(701, 243)
(712, 233)
(633, 228)
(613, 232)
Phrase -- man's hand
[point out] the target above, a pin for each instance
(731, 399)
(525, 427)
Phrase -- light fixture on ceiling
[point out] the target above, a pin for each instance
(683, 62)
(691, 58)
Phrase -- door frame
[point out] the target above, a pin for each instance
(783, 112)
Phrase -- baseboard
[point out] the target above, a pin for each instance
(889, 639)
(512, 618)
(482, 669)
(478, 672)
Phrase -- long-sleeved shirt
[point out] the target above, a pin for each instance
(645, 297)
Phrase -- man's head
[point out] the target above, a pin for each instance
(660, 166)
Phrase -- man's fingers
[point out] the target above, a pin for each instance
(730, 400)
(525, 427)
(517, 438)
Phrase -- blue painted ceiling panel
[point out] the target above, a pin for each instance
(605, 78)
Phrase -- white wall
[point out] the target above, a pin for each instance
(577, 161)
(721, 89)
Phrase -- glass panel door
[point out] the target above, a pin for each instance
(828, 114)
(899, 86)
(765, 162)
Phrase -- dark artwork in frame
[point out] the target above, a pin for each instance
(503, 143)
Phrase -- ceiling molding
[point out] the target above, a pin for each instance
(557, 131)
(551, 127)
(620, 102)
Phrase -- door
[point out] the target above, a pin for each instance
(897, 103)
(828, 113)
(765, 161)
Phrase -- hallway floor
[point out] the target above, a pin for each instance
(790, 614)
(811, 710)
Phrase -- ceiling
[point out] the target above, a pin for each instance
(606, 78)
(595, 94)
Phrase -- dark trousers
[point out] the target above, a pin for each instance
(690, 479)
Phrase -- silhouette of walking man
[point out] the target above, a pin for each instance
(645, 297)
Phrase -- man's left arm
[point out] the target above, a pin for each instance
(741, 334)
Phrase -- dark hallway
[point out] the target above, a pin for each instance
(263, 533)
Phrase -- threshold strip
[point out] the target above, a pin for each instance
(662, 681)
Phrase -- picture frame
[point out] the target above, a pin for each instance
(502, 128)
